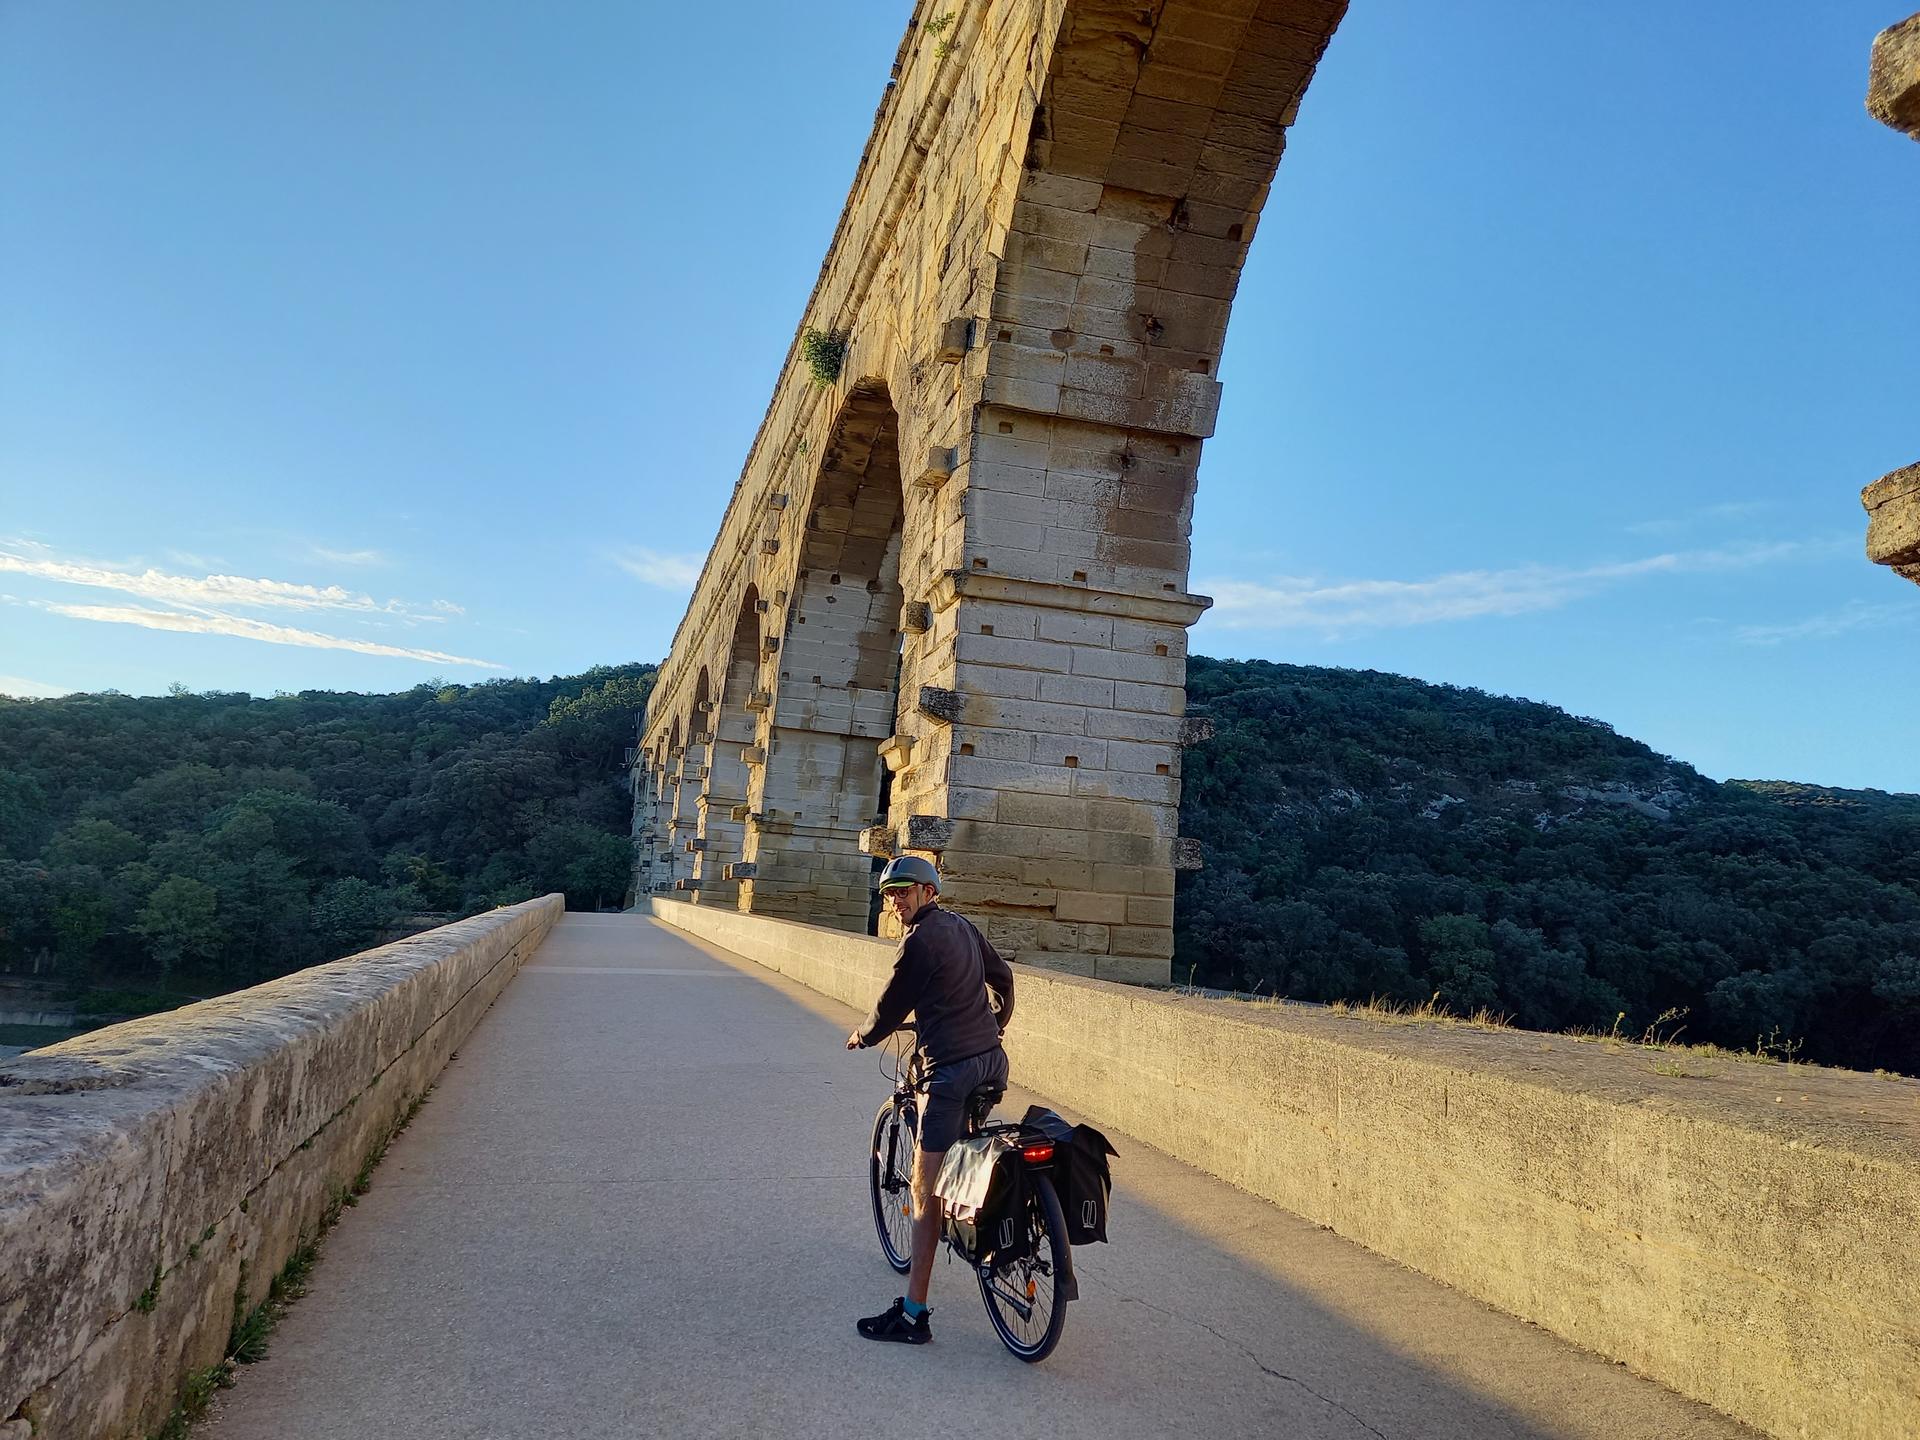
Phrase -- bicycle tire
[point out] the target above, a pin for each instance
(1053, 1221)
(890, 1180)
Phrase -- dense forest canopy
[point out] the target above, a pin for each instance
(1369, 835)
(211, 841)
(1366, 836)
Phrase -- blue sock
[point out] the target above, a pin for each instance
(914, 1311)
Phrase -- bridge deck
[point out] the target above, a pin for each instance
(636, 1205)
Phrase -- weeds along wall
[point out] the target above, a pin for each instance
(156, 1176)
(1742, 1233)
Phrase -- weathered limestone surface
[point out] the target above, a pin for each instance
(156, 1175)
(1744, 1236)
(1893, 521)
(1893, 82)
(947, 609)
(1893, 502)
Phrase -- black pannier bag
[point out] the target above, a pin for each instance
(1080, 1173)
(983, 1185)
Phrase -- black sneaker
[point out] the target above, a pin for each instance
(893, 1324)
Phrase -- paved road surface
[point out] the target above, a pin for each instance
(635, 1205)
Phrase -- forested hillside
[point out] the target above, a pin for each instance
(204, 842)
(1366, 835)
(1369, 835)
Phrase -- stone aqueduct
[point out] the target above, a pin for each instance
(946, 612)
(947, 609)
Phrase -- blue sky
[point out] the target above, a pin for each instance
(1568, 339)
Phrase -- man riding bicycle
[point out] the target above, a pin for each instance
(960, 992)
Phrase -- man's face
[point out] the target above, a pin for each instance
(904, 901)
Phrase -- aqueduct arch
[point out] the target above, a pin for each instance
(993, 490)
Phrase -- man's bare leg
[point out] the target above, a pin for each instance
(926, 1224)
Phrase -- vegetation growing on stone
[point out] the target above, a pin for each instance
(1370, 835)
(825, 352)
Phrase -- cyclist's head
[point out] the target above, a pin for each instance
(905, 870)
(901, 883)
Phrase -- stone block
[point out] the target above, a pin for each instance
(758, 700)
(1144, 940)
(998, 893)
(938, 469)
(1188, 854)
(1091, 905)
(916, 617)
(1196, 730)
(1893, 79)
(938, 704)
(956, 338)
(877, 840)
(1893, 517)
(740, 870)
(753, 755)
(1149, 910)
(928, 832)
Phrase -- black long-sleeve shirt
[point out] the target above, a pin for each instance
(956, 984)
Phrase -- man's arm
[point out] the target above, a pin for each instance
(902, 989)
(999, 981)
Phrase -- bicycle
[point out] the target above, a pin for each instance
(1026, 1293)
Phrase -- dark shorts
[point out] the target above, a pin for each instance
(943, 1108)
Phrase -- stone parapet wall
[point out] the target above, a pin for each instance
(155, 1176)
(1741, 1233)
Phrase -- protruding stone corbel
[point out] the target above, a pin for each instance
(877, 840)
(938, 704)
(759, 700)
(956, 338)
(897, 752)
(776, 502)
(939, 467)
(697, 845)
(685, 884)
(739, 813)
(761, 607)
(769, 544)
(1188, 854)
(740, 870)
(1893, 79)
(703, 707)
(770, 644)
(928, 832)
(916, 617)
(1196, 730)
(1893, 521)
(753, 755)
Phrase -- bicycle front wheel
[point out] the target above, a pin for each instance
(1027, 1298)
(896, 1132)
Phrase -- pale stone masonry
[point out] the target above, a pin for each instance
(1893, 502)
(947, 609)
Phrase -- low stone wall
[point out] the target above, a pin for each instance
(1743, 1233)
(156, 1175)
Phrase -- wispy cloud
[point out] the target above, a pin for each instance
(349, 557)
(22, 688)
(1287, 603)
(208, 604)
(210, 590)
(654, 567)
(1857, 615)
(214, 624)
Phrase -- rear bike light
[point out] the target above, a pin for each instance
(1037, 1152)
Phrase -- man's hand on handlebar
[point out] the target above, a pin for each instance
(853, 1041)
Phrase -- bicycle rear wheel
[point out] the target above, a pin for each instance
(896, 1132)
(1027, 1298)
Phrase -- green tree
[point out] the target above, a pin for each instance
(180, 921)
